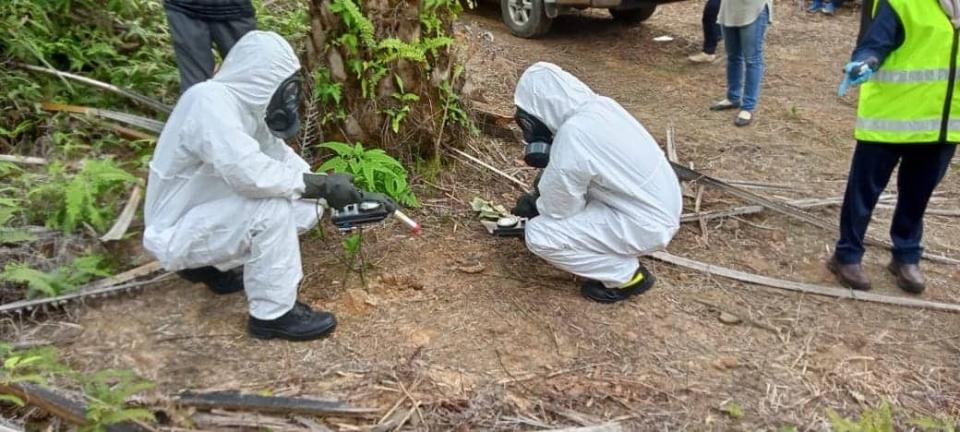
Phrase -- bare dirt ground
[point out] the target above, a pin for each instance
(484, 336)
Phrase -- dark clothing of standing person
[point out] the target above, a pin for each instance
(866, 17)
(711, 33)
(195, 25)
(909, 114)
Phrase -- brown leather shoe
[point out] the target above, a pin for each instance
(850, 275)
(909, 277)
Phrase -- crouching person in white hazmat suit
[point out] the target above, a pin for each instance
(606, 194)
(223, 202)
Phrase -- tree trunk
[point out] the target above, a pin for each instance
(384, 73)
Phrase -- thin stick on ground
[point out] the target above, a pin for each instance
(120, 227)
(803, 287)
(25, 160)
(523, 186)
(691, 175)
(97, 288)
(148, 101)
(806, 203)
(671, 147)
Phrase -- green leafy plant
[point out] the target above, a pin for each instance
(289, 18)
(29, 366)
(328, 95)
(81, 197)
(453, 110)
(732, 409)
(351, 246)
(123, 42)
(107, 392)
(373, 170)
(879, 419)
(935, 424)
(368, 57)
(9, 209)
(403, 100)
(59, 281)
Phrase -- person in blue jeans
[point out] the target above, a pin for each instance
(744, 25)
(828, 7)
(711, 33)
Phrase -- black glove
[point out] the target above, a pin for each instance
(388, 203)
(337, 189)
(527, 205)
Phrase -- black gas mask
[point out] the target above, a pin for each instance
(283, 117)
(538, 138)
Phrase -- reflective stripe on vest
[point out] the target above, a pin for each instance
(911, 76)
(906, 99)
(905, 125)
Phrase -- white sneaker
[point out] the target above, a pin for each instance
(702, 57)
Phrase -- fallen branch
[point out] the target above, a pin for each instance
(120, 227)
(270, 404)
(761, 185)
(223, 420)
(929, 211)
(688, 174)
(145, 100)
(26, 160)
(144, 123)
(671, 147)
(803, 287)
(806, 203)
(523, 186)
(100, 287)
(59, 405)
(123, 131)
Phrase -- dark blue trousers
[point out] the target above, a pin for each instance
(922, 166)
(711, 30)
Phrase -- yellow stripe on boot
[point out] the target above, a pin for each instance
(637, 278)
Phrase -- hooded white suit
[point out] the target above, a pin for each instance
(608, 193)
(222, 190)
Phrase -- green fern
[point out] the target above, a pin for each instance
(107, 392)
(82, 195)
(879, 419)
(62, 280)
(9, 208)
(28, 366)
(935, 424)
(355, 21)
(395, 49)
(39, 284)
(432, 44)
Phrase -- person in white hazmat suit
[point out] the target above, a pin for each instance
(223, 203)
(606, 194)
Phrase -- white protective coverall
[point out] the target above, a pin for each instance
(608, 193)
(222, 190)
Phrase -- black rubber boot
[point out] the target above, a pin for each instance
(596, 291)
(299, 324)
(219, 282)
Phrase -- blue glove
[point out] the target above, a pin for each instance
(854, 73)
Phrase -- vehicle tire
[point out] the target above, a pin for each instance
(633, 16)
(525, 18)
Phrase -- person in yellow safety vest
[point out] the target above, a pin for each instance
(909, 113)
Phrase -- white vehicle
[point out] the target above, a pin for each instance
(532, 18)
